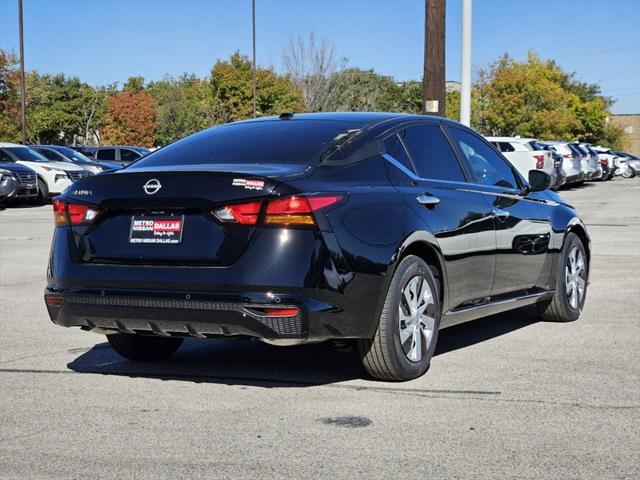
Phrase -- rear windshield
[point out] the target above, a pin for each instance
(264, 142)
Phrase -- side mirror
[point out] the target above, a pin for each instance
(538, 180)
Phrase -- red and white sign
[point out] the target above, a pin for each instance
(156, 229)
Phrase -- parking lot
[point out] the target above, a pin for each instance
(506, 397)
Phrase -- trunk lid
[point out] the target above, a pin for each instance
(163, 216)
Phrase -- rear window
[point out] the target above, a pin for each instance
(271, 142)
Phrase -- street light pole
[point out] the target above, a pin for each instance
(465, 81)
(253, 15)
(23, 97)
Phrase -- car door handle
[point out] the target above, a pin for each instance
(501, 214)
(426, 199)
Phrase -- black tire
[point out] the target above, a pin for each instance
(142, 347)
(43, 192)
(558, 309)
(383, 355)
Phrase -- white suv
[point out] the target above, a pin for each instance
(53, 177)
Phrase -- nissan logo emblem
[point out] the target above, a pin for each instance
(152, 186)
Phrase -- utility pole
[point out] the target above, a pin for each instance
(253, 15)
(465, 81)
(23, 96)
(434, 95)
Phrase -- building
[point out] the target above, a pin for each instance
(630, 123)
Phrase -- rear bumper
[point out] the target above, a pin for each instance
(196, 315)
(309, 274)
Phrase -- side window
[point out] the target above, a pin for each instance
(127, 155)
(393, 146)
(48, 154)
(506, 147)
(4, 157)
(488, 166)
(106, 154)
(433, 156)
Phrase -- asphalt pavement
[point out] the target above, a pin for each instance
(506, 397)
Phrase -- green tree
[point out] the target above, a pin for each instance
(231, 85)
(185, 105)
(354, 89)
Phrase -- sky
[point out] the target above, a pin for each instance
(105, 41)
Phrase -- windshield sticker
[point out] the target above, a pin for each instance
(248, 184)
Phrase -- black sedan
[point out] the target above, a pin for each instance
(372, 227)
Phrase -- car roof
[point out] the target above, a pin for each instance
(360, 119)
(511, 139)
(11, 145)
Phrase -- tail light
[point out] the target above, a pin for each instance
(295, 210)
(539, 161)
(603, 162)
(65, 213)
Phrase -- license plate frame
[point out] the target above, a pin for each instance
(156, 229)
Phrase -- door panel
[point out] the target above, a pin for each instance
(523, 232)
(462, 222)
(522, 224)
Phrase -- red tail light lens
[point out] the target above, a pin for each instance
(294, 210)
(539, 161)
(297, 210)
(73, 213)
(242, 213)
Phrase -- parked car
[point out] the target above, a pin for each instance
(587, 162)
(571, 164)
(120, 154)
(618, 162)
(52, 177)
(59, 153)
(559, 176)
(523, 156)
(17, 182)
(376, 228)
(594, 161)
(632, 164)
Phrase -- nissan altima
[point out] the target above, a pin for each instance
(375, 228)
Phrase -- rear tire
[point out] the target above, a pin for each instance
(142, 347)
(568, 300)
(407, 332)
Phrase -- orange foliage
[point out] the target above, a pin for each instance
(131, 119)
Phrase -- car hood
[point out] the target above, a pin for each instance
(14, 167)
(69, 167)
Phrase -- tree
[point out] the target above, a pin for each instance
(9, 98)
(364, 90)
(231, 84)
(184, 106)
(536, 98)
(311, 65)
(131, 119)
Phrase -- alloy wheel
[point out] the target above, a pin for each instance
(415, 318)
(575, 278)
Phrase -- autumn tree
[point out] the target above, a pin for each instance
(9, 98)
(131, 119)
(231, 85)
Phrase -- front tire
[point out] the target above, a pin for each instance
(43, 192)
(407, 332)
(571, 283)
(141, 347)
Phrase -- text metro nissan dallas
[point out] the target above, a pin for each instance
(373, 227)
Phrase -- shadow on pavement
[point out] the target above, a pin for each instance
(254, 363)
